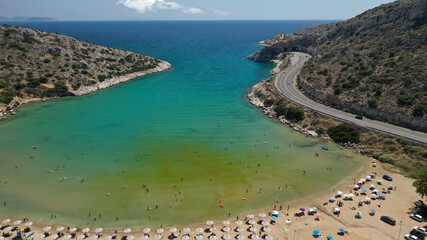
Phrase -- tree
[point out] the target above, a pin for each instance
(343, 133)
(421, 183)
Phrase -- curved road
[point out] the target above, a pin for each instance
(285, 83)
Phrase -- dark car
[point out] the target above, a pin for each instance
(359, 117)
(388, 178)
(388, 220)
(419, 203)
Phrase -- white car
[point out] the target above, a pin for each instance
(421, 230)
(416, 217)
(410, 237)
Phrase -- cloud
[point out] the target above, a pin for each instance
(142, 6)
(219, 12)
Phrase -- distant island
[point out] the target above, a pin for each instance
(27, 19)
(37, 65)
(374, 64)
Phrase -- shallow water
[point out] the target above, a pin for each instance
(199, 140)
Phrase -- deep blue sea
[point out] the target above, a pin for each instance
(200, 140)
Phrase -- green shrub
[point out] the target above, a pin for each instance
(6, 97)
(280, 110)
(268, 102)
(418, 110)
(405, 100)
(372, 103)
(343, 133)
(295, 114)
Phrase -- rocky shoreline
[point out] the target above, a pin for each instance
(10, 109)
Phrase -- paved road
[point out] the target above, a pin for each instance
(285, 83)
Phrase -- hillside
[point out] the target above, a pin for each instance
(373, 64)
(41, 65)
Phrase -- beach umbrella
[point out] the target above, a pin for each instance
(213, 237)
(98, 230)
(239, 229)
(341, 229)
(368, 176)
(373, 210)
(250, 216)
(351, 195)
(329, 237)
(255, 237)
(160, 231)
(332, 198)
(213, 229)
(336, 209)
(266, 229)
(339, 193)
(363, 180)
(264, 223)
(145, 237)
(358, 213)
(186, 237)
(275, 212)
(28, 224)
(372, 186)
(85, 230)
(268, 238)
(365, 191)
(55, 236)
(186, 230)
(60, 229)
(41, 236)
(316, 231)
(147, 230)
(238, 223)
(68, 236)
(226, 236)
(226, 223)
(17, 222)
(240, 237)
(127, 230)
(226, 229)
(158, 236)
(360, 182)
(200, 230)
(253, 229)
(131, 237)
(94, 237)
(274, 217)
(73, 229)
(8, 229)
(81, 237)
(251, 222)
(108, 237)
(46, 229)
(262, 215)
(209, 222)
(6, 221)
(172, 230)
(356, 186)
(199, 237)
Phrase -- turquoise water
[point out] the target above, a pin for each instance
(199, 140)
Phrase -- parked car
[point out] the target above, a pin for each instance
(388, 220)
(388, 178)
(419, 204)
(416, 217)
(410, 237)
(359, 117)
(421, 230)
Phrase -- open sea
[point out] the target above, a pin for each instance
(199, 140)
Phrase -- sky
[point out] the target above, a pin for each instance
(69, 10)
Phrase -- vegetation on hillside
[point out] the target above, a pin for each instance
(343, 133)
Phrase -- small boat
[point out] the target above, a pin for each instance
(325, 148)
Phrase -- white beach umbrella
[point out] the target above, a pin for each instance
(147, 230)
(41, 236)
(200, 230)
(67, 237)
(98, 230)
(160, 231)
(226, 229)
(226, 236)
(262, 215)
(372, 186)
(268, 238)
(238, 223)
(1, 238)
(213, 237)
(94, 237)
(55, 236)
(213, 230)
(73, 229)
(255, 237)
(186, 230)
(266, 229)
(8, 229)
(250, 216)
(46, 229)
(186, 237)
(85, 230)
(264, 223)
(339, 193)
(158, 236)
(351, 195)
(253, 229)
(131, 237)
(108, 237)
(60, 229)
(81, 237)
(210, 222)
(240, 229)
(28, 224)
(145, 237)
(368, 176)
(17, 222)
(240, 237)
(226, 223)
(251, 222)
(127, 230)
(6, 221)
(360, 181)
(172, 230)
(199, 237)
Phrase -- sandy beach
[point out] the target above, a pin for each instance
(397, 204)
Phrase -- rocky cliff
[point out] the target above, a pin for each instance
(41, 65)
(373, 64)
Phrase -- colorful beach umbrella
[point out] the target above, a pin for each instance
(329, 237)
(302, 209)
(373, 210)
(341, 229)
(316, 231)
